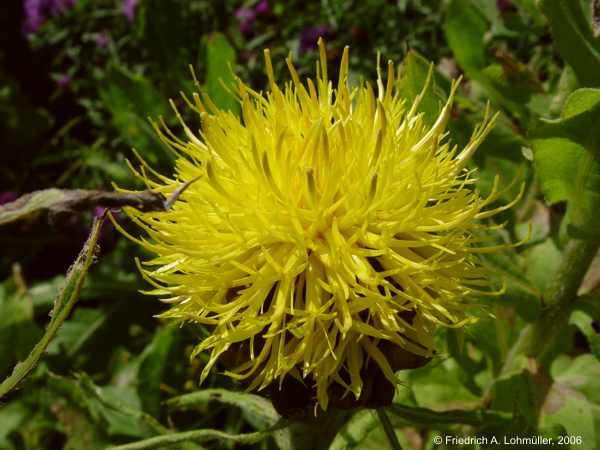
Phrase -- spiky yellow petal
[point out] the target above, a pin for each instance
(322, 222)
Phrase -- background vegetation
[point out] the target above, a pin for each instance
(78, 79)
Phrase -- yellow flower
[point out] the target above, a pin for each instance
(323, 225)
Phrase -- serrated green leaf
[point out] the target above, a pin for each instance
(567, 160)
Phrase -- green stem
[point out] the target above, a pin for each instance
(61, 310)
(389, 429)
(535, 339)
(198, 436)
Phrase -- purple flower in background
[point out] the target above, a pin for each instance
(33, 15)
(38, 11)
(63, 80)
(129, 9)
(7, 197)
(57, 7)
(101, 39)
(247, 17)
(309, 37)
(262, 7)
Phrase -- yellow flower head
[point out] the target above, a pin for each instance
(323, 225)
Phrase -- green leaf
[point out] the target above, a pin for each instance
(21, 122)
(11, 418)
(584, 321)
(439, 386)
(220, 81)
(415, 69)
(465, 28)
(152, 367)
(573, 400)
(131, 99)
(257, 410)
(574, 38)
(508, 82)
(115, 409)
(169, 45)
(543, 261)
(79, 430)
(567, 160)
(78, 330)
(355, 431)
(18, 331)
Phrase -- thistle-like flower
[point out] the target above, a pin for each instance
(327, 231)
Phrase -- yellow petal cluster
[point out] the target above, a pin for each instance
(322, 222)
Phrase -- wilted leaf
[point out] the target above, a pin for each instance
(58, 201)
(30, 204)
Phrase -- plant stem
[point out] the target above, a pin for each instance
(198, 436)
(535, 339)
(389, 429)
(62, 308)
